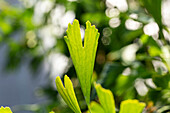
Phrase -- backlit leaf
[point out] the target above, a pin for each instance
(67, 93)
(131, 106)
(83, 57)
(5, 110)
(96, 108)
(106, 99)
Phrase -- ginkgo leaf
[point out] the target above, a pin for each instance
(106, 99)
(107, 102)
(67, 93)
(95, 108)
(5, 110)
(83, 57)
(131, 106)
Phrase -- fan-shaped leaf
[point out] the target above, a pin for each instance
(67, 93)
(5, 110)
(83, 57)
(106, 99)
(131, 106)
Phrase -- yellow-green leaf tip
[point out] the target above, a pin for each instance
(83, 57)
(88, 24)
(106, 98)
(131, 106)
(133, 102)
(98, 86)
(95, 108)
(5, 110)
(67, 93)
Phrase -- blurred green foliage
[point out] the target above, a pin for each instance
(129, 62)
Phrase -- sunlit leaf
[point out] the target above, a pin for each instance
(107, 102)
(67, 93)
(83, 57)
(96, 108)
(106, 99)
(131, 106)
(5, 110)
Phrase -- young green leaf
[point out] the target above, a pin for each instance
(131, 106)
(5, 110)
(96, 108)
(83, 57)
(67, 93)
(107, 102)
(106, 99)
